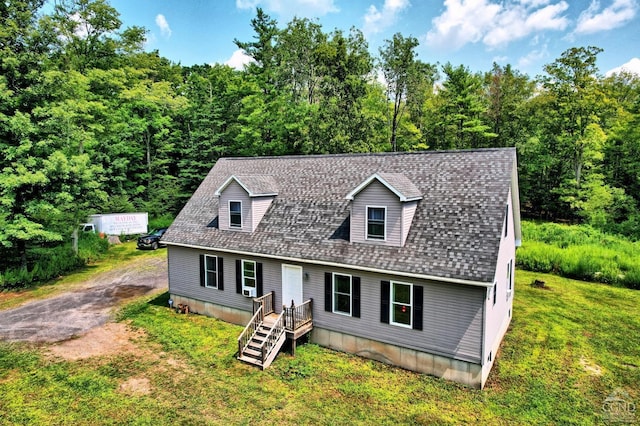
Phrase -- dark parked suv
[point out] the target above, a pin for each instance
(151, 240)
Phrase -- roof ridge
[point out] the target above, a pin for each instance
(370, 154)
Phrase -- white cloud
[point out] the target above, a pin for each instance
(496, 24)
(287, 9)
(239, 60)
(593, 19)
(162, 23)
(247, 4)
(633, 66)
(533, 57)
(376, 20)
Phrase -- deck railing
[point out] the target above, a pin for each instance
(297, 316)
(272, 338)
(249, 330)
(266, 302)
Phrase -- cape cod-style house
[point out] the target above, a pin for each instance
(406, 258)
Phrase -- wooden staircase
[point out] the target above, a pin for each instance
(267, 331)
(265, 342)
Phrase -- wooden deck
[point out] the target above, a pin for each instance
(267, 331)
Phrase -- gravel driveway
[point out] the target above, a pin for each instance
(76, 312)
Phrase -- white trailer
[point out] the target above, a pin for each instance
(117, 223)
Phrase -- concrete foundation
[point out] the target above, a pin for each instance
(466, 373)
(225, 313)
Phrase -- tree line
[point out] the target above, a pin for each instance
(90, 122)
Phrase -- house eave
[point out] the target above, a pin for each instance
(251, 194)
(449, 280)
(350, 196)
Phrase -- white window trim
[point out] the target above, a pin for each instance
(391, 302)
(254, 278)
(231, 226)
(509, 278)
(333, 295)
(506, 221)
(206, 271)
(366, 224)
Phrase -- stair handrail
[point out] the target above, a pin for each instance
(266, 302)
(249, 330)
(277, 330)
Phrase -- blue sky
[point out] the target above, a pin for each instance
(525, 33)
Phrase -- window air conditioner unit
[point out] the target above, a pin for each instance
(249, 292)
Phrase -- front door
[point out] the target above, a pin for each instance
(291, 285)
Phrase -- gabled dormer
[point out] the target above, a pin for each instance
(382, 209)
(243, 201)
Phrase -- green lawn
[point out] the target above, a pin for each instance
(569, 347)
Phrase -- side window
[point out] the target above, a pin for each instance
(235, 214)
(211, 271)
(376, 226)
(249, 278)
(401, 304)
(506, 221)
(495, 292)
(342, 294)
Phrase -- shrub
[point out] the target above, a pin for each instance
(46, 263)
(160, 222)
(581, 252)
(91, 247)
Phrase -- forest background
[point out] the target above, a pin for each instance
(91, 123)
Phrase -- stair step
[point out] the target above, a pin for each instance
(256, 354)
(250, 360)
(254, 346)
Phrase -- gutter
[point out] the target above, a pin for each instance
(339, 265)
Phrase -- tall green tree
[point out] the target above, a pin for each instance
(463, 106)
(43, 176)
(508, 92)
(398, 64)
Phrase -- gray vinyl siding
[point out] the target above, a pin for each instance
(184, 278)
(408, 211)
(376, 195)
(259, 206)
(235, 192)
(253, 209)
(452, 314)
(499, 314)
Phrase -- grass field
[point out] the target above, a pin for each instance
(570, 346)
(580, 252)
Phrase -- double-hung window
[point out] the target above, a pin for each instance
(401, 304)
(235, 214)
(376, 227)
(211, 271)
(249, 276)
(342, 286)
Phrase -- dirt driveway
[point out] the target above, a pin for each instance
(87, 307)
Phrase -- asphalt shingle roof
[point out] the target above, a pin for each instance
(455, 233)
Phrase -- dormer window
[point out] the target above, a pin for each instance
(376, 227)
(243, 201)
(235, 214)
(382, 209)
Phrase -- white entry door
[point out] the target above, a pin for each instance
(291, 285)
